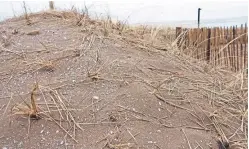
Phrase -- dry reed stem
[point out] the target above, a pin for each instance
(133, 137)
(186, 139)
(62, 128)
(7, 106)
(172, 104)
(27, 18)
(33, 102)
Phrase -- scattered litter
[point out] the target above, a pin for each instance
(96, 97)
(159, 131)
(42, 131)
(150, 142)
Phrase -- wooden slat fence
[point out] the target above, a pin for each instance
(225, 46)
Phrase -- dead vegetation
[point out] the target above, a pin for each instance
(28, 109)
(227, 97)
(35, 32)
(215, 99)
(26, 16)
(57, 111)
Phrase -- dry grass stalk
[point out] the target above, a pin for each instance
(80, 17)
(7, 106)
(65, 114)
(26, 16)
(186, 139)
(27, 109)
(154, 34)
(33, 102)
(120, 26)
(107, 24)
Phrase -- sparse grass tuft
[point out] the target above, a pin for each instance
(107, 26)
(28, 109)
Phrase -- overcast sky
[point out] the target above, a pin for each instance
(140, 11)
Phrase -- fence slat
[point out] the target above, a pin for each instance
(231, 46)
(208, 45)
(217, 45)
(245, 49)
(228, 48)
(215, 48)
(204, 37)
(225, 51)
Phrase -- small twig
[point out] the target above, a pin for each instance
(65, 141)
(64, 130)
(172, 104)
(7, 105)
(131, 110)
(132, 135)
(100, 123)
(198, 128)
(29, 126)
(146, 120)
(198, 145)
(55, 102)
(42, 44)
(46, 103)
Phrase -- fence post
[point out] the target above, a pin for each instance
(199, 11)
(51, 5)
